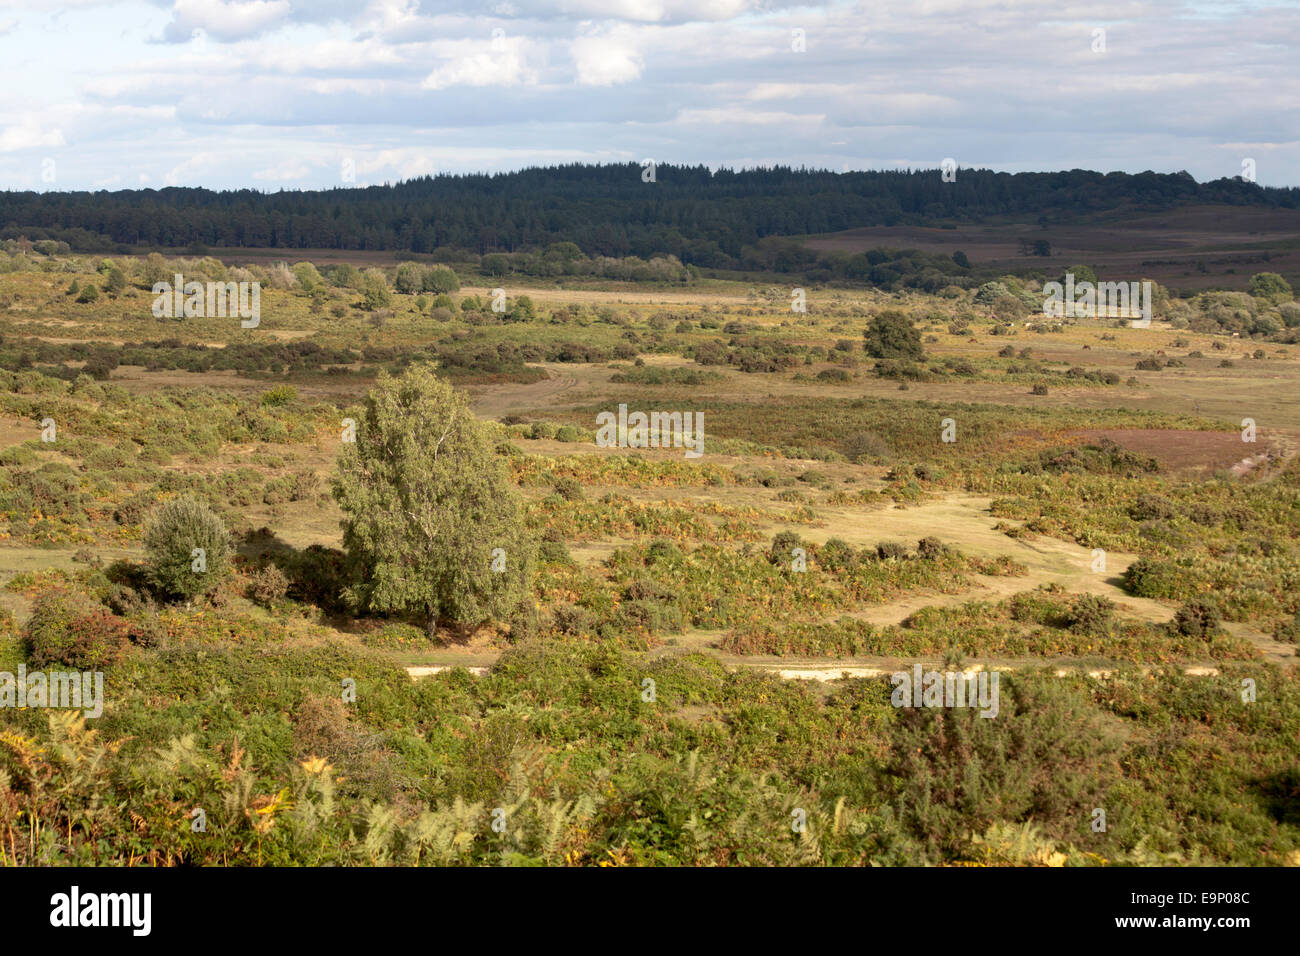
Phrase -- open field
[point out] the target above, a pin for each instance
(1078, 506)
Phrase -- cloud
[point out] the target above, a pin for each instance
(186, 173)
(502, 63)
(1009, 84)
(224, 20)
(28, 135)
(714, 117)
(604, 61)
(641, 11)
(289, 169)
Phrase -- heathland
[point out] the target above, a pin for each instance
(691, 665)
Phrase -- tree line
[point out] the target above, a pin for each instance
(703, 218)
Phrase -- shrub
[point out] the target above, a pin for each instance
(837, 555)
(1150, 577)
(1199, 617)
(1090, 614)
(69, 629)
(571, 618)
(267, 585)
(570, 489)
(862, 446)
(187, 548)
(554, 552)
(654, 616)
(833, 375)
(662, 549)
(145, 631)
(318, 575)
(542, 430)
(891, 550)
(440, 279)
(1008, 308)
(930, 547)
(1149, 506)
(278, 396)
(782, 546)
(125, 600)
(891, 335)
(1268, 285)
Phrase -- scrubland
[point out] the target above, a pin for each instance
(1097, 530)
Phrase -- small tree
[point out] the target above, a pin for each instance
(115, 283)
(409, 278)
(309, 278)
(187, 548)
(440, 279)
(153, 268)
(431, 523)
(496, 264)
(891, 335)
(374, 293)
(88, 293)
(345, 276)
(1270, 285)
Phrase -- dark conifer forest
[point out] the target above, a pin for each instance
(704, 218)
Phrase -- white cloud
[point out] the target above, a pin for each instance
(222, 20)
(502, 63)
(28, 134)
(604, 61)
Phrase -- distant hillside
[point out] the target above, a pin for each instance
(705, 219)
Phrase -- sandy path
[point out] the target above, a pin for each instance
(963, 521)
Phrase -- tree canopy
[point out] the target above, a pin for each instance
(432, 526)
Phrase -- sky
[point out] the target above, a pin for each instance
(289, 94)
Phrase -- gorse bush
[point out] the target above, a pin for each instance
(1197, 618)
(891, 335)
(187, 548)
(68, 629)
(1090, 614)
